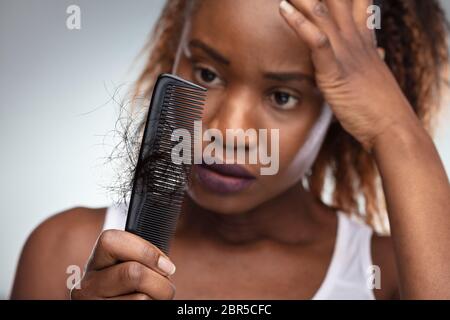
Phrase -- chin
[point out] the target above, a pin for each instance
(229, 204)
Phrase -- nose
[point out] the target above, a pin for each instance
(236, 111)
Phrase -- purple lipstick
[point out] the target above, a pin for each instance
(224, 178)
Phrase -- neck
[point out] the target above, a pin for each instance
(292, 217)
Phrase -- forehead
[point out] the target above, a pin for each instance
(250, 33)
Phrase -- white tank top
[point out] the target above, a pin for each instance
(349, 271)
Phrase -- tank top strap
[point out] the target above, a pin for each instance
(348, 274)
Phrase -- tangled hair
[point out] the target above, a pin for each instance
(414, 37)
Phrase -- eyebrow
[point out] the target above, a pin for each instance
(289, 76)
(195, 43)
(277, 76)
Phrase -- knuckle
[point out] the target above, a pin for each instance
(133, 272)
(107, 238)
(320, 9)
(167, 291)
(322, 41)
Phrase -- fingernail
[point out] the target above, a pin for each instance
(166, 266)
(286, 7)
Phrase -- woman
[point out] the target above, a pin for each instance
(273, 65)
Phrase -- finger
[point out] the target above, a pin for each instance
(361, 16)
(317, 12)
(316, 40)
(341, 12)
(128, 278)
(114, 246)
(133, 296)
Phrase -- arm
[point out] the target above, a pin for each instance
(369, 104)
(418, 200)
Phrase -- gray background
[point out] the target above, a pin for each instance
(55, 85)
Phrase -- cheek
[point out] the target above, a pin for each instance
(291, 145)
(293, 161)
(301, 142)
(301, 159)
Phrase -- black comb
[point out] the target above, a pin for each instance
(159, 183)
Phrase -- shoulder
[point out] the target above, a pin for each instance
(63, 240)
(383, 256)
(69, 231)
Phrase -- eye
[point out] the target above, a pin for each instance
(283, 100)
(206, 76)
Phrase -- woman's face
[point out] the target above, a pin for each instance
(259, 75)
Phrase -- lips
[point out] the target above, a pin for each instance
(224, 178)
(231, 170)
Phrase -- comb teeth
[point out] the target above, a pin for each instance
(158, 186)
